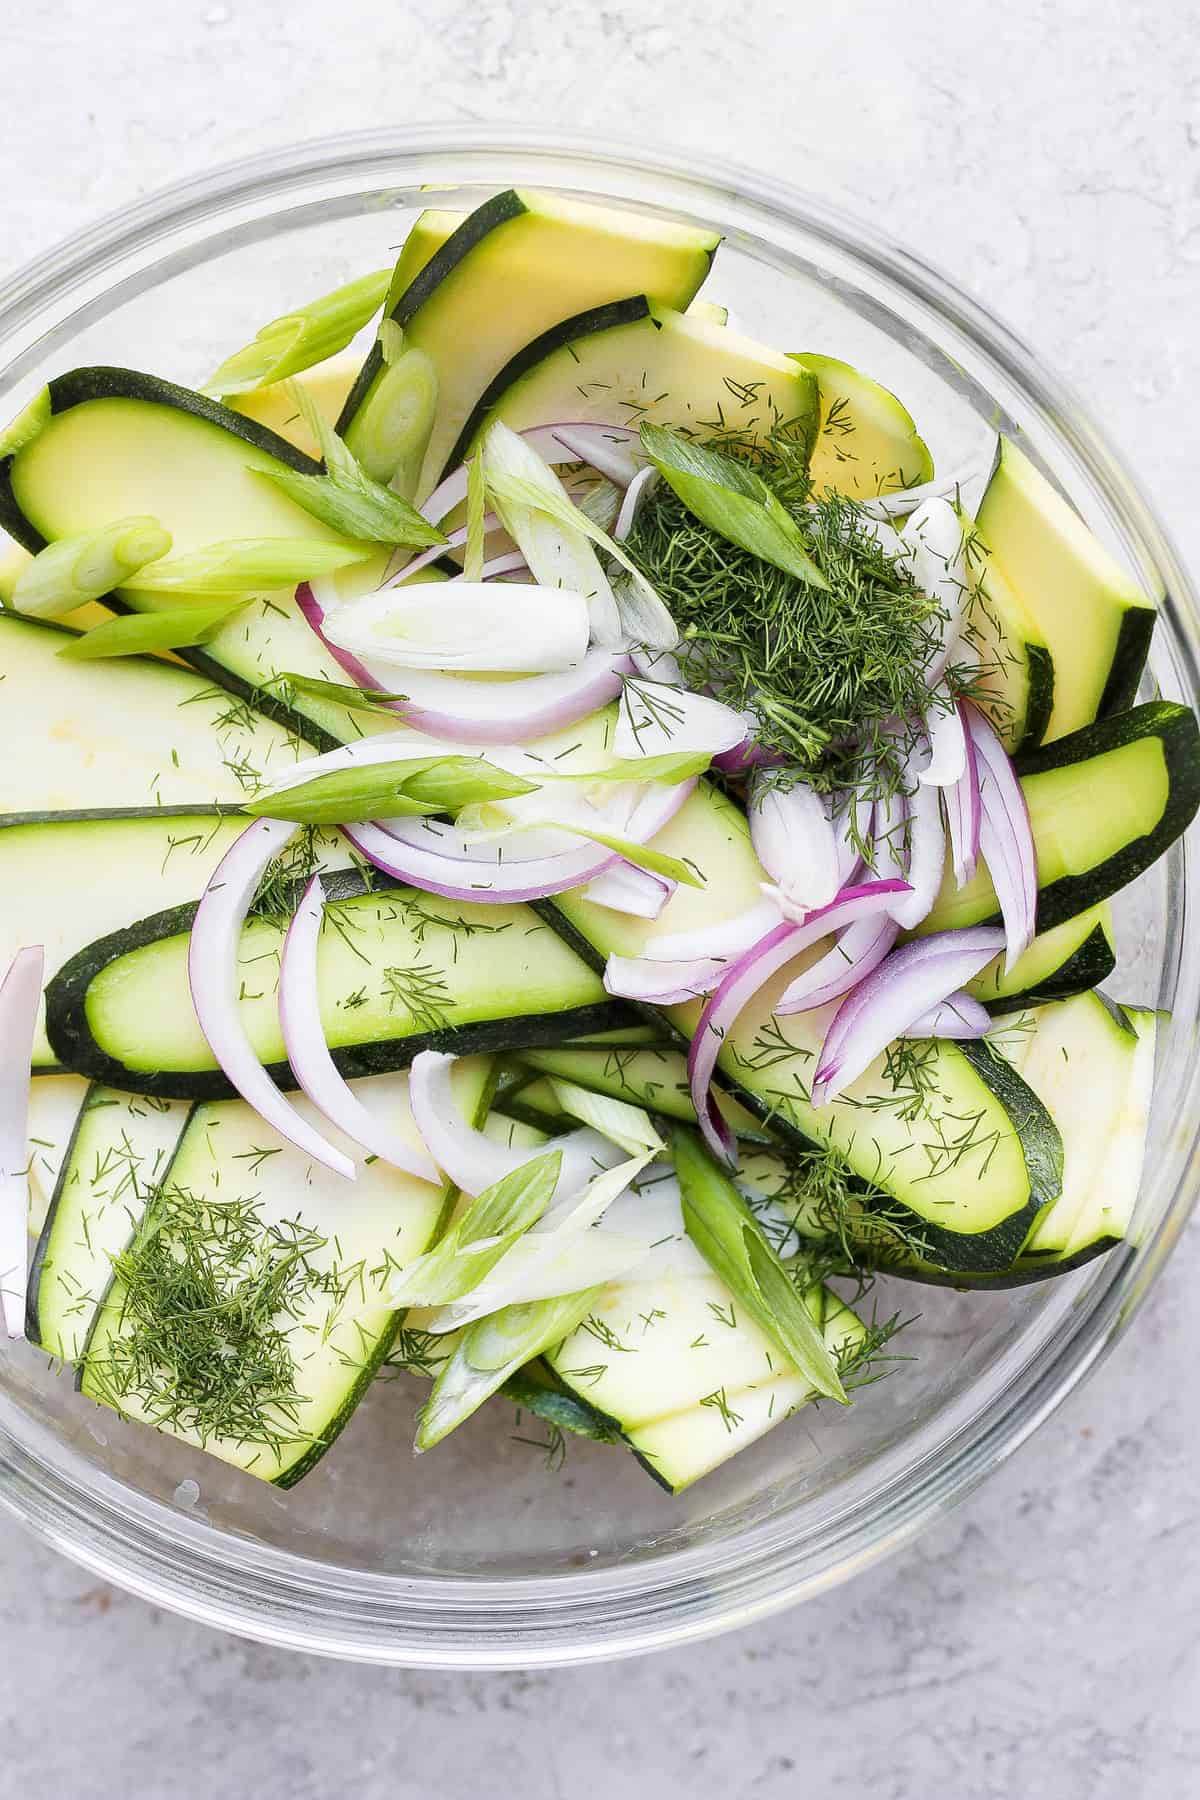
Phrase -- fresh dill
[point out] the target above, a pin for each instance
(415, 1352)
(206, 1297)
(420, 989)
(828, 672)
(281, 885)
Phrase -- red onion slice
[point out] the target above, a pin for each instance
(603, 449)
(213, 979)
(682, 965)
(1005, 836)
(308, 1053)
(947, 742)
(959, 1015)
(467, 627)
(472, 1160)
(794, 838)
(913, 980)
(963, 813)
(743, 980)
(657, 720)
(858, 950)
(482, 712)
(906, 500)
(429, 855)
(626, 889)
(934, 553)
(926, 858)
(643, 483)
(20, 1001)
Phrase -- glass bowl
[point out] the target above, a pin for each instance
(478, 1554)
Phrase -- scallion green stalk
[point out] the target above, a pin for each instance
(404, 788)
(492, 1349)
(732, 499)
(347, 497)
(74, 570)
(247, 565)
(732, 1242)
(139, 633)
(476, 509)
(474, 1244)
(391, 431)
(300, 340)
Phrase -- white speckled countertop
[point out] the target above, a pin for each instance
(1042, 1643)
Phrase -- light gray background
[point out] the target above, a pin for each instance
(1043, 1641)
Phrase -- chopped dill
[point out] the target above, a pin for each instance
(206, 1295)
(828, 673)
(421, 990)
(415, 1352)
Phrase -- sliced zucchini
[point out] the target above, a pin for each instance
(120, 443)
(54, 1106)
(337, 1326)
(1105, 803)
(634, 361)
(70, 878)
(399, 972)
(1095, 621)
(145, 733)
(1077, 955)
(1015, 680)
(119, 1152)
(514, 267)
(686, 1380)
(866, 442)
(1093, 1064)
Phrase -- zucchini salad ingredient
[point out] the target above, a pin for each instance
(595, 855)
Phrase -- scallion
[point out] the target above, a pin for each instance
(247, 565)
(74, 570)
(300, 340)
(137, 634)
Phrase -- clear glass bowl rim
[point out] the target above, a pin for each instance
(268, 1594)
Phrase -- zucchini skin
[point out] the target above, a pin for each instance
(1129, 660)
(583, 324)
(1041, 694)
(1177, 730)
(475, 227)
(73, 1043)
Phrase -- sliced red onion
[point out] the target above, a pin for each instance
(858, 950)
(934, 553)
(744, 758)
(430, 855)
(605, 450)
(483, 712)
(553, 451)
(626, 889)
(744, 979)
(643, 483)
(657, 720)
(308, 1053)
(926, 850)
(947, 741)
(474, 1161)
(913, 980)
(657, 665)
(213, 979)
(963, 812)
(793, 834)
(959, 1015)
(1005, 836)
(890, 839)
(20, 1002)
(682, 965)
